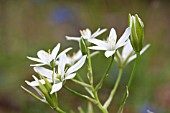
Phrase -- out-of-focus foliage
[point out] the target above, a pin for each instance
(29, 25)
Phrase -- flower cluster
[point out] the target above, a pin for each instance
(54, 68)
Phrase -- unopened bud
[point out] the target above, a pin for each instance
(137, 32)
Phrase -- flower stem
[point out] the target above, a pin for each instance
(90, 72)
(80, 95)
(59, 110)
(99, 105)
(108, 101)
(81, 83)
(129, 83)
(99, 85)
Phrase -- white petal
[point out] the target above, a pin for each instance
(97, 48)
(37, 65)
(33, 83)
(98, 32)
(77, 66)
(73, 38)
(64, 52)
(127, 50)
(109, 53)
(44, 72)
(94, 53)
(131, 58)
(144, 49)
(62, 63)
(118, 58)
(95, 33)
(44, 56)
(70, 76)
(87, 34)
(56, 87)
(36, 82)
(77, 56)
(123, 38)
(55, 51)
(35, 59)
(100, 43)
(112, 36)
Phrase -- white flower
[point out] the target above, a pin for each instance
(110, 45)
(86, 34)
(76, 56)
(45, 58)
(59, 77)
(128, 54)
(72, 59)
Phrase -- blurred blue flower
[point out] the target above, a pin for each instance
(62, 14)
(148, 108)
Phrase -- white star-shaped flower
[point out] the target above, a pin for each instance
(86, 34)
(45, 58)
(110, 45)
(59, 77)
(76, 56)
(128, 54)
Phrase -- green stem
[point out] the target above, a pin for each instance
(129, 83)
(59, 110)
(99, 85)
(81, 83)
(90, 72)
(79, 77)
(99, 105)
(80, 95)
(53, 75)
(108, 101)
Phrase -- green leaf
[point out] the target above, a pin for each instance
(32, 94)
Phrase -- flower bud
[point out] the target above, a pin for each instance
(83, 46)
(137, 32)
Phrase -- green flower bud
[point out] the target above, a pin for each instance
(83, 46)
(137, 32)
(53, 96)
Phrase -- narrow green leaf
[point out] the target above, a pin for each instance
(32, 94)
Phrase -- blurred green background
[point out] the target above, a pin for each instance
(27, 26)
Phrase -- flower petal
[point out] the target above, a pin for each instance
(61, 65)
(127, 50)
(73, 38)
(77, 56)
(55, 51)
(44, 56)
(123, 38)
(33, 83)
(56, 87)
(64, 52)
(37, 65)
(97, 48)
(35, 59)
(100, 43)
(144, 49)
(112, 36)
(36, 82)
(98, 32)
(109, 53)
(44, 72)
(77, 66)
(70, 76)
